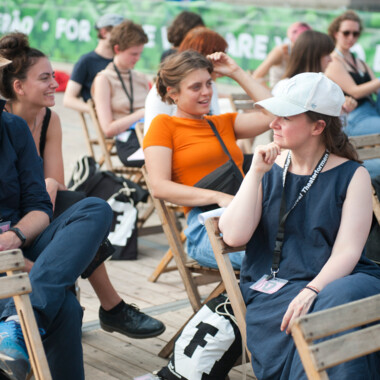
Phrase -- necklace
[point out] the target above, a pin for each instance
(353, 66)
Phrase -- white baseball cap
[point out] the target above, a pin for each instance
(108, 19)
(306, 92)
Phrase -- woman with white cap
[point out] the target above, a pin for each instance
(304, 210)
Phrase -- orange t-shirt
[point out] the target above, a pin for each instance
(196, 149)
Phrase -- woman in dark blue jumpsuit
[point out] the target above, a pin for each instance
(312, 171)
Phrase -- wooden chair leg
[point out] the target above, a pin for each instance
(32, 338)
(162, 266)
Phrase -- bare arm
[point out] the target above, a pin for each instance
(243, 214)
(72, 98)
(158, 162)
(246, 125)
(102, 99)
(274, 57)
(337, 72)
(352, 235)
(53, 159)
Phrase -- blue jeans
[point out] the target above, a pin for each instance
(199, 246)
(60, 254)
(365, 120)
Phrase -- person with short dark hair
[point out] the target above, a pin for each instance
(119, 92)
(304, 211)
(78, 89)
(180, 26)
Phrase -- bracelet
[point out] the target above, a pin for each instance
(312, 288)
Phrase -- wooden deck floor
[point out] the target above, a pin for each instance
(114, 356)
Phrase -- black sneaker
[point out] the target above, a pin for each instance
(131, 322)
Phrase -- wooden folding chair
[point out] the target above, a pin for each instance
(317, 357)
(163, 265)
(242, 103)
(16, 284)
(229, 275)
(90, 141)
(108, 149)
(368, 147)
(193, 275)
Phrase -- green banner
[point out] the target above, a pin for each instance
(64, 29)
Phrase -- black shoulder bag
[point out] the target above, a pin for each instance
(227, 178)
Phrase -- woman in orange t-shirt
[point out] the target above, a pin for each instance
(181, 149)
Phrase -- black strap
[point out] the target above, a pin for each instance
(370, 97)
(129, 95)
(284, 215)
(44, 128)
(237, 170)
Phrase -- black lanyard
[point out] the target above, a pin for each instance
(284, 215)
(129, 95)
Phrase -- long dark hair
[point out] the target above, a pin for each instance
(15, 47)
(335, 140)
(307, 52)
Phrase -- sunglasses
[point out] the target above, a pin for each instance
(346, 33)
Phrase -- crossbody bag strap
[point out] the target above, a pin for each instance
(237, 170)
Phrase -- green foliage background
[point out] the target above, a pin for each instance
(221, 17)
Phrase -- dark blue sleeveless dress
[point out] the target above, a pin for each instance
(310, 232)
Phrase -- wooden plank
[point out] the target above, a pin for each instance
(15, 284)
(229, 276)
(365, 140)
(32, 337)
(347, 347)
(304, 353)
(368, 153)
(11, 260)
(318, 325)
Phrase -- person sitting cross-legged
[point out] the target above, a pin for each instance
(29, 85)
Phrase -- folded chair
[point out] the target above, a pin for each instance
(317, 357)
(229, 275)
(16, 284)
(193, 275)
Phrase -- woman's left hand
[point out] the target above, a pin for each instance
(299, 306)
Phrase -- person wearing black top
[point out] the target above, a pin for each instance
(356, 79)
